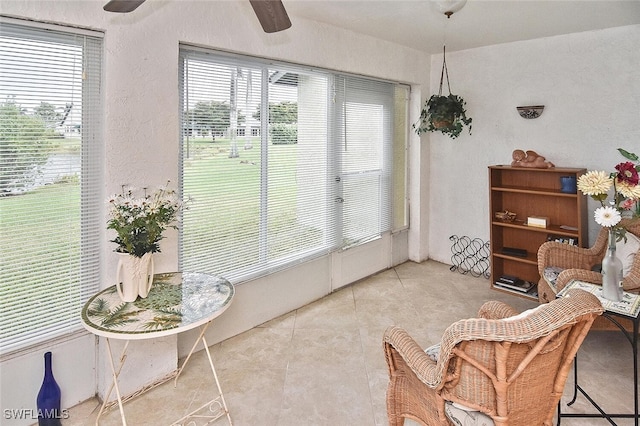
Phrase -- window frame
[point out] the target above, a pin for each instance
(386, 210)
(85, 265)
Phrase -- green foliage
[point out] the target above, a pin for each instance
(283, 134)
(628, 155)
(445, 114)
(284, 112)
(212, 117)
(24, 144)
(48, 114)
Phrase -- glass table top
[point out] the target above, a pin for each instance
(177, 302)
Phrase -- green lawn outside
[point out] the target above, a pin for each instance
(228, 212)
(50, 282)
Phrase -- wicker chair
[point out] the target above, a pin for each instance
(577, 263)
(513, 370)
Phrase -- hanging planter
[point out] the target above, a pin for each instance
(442, 113)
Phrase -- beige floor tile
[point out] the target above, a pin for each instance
(260, 348)
(323, 364)
(320, 396)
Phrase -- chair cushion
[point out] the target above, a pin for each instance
(626, 252)
(433, 352)
(464, 416)
(524, 314)
(550, 275)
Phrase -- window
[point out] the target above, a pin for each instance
(310, 172)
(50, 198)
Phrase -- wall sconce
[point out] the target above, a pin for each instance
(530, 111)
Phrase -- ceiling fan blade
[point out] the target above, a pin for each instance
(122, 6)
(271, 14)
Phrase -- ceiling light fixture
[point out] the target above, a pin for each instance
(448, 7)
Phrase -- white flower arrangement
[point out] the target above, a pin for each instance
(625, 182)
(140, 221)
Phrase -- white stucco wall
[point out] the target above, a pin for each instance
(590, 86)
(141, 148)
(579, 77)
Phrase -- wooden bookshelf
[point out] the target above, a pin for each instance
(531, 192)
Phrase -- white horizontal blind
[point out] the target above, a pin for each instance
(364, 116)
(50, 202)
(265, 163)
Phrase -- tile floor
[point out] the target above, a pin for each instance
(323, 363)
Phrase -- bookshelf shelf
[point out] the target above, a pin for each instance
(531, 192)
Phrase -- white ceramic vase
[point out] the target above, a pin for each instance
(135, 276)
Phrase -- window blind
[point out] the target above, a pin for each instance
(282, 162)
(50, 192)
(364, 117)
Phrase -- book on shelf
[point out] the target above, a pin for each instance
(515, 283)
(562, 239)
(513, 251)
(537, 221)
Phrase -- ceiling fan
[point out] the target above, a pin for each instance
(271, 13)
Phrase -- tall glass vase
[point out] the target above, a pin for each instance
(612, 272)
(48, 400)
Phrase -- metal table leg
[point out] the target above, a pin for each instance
(114, 383)
(633, 340)
(215, 408)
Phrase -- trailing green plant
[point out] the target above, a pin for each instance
(446, 114)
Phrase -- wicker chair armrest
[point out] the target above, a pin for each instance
(495, 309)
(630, 283)
(566, 256)
(568, 275)
(543, 320)
(399, 346)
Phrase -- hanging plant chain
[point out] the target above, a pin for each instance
(445, 71)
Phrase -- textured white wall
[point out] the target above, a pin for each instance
(590, 86)
(578, 77)
(141, 148)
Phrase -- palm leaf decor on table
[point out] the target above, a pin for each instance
(161, 295)
(118, 316)
(99, 308)
(175, 300)
(166, 319)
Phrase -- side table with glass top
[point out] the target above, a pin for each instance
(177, 302)
(628, 308)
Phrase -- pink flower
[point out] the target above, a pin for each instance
(627, 173)
(627, 204)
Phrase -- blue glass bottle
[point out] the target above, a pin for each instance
(48, 400)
